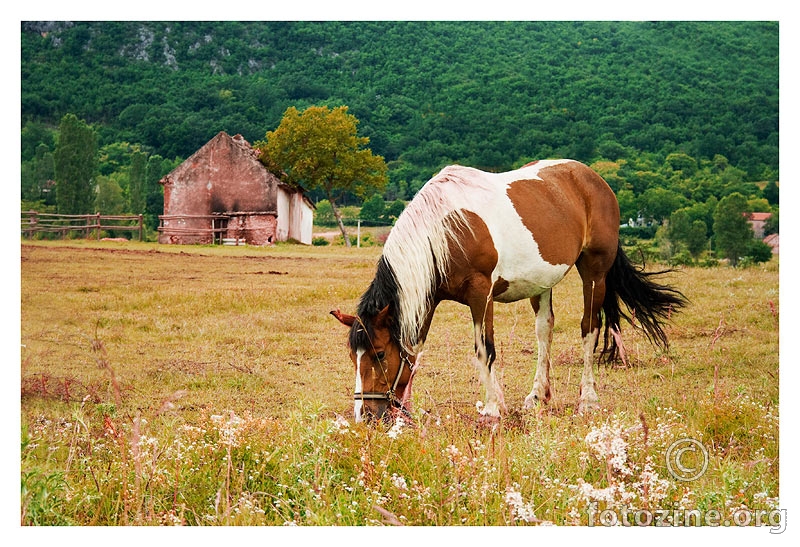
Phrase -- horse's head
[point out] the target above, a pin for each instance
(383, 368)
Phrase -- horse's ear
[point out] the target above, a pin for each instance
(343, 318)
(383, 318)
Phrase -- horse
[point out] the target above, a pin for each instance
(478, 238)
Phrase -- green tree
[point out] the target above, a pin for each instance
(758, 251)
(659, 203)
(395, 209)
(772, 225)
(732, 232)
(609, 170)
(75, 166)
(628, 206)
(114, 157)
(771, 192)
(687, 230)
(678, 227)
(683, 163)
(758, 205)
(109, 199)
(320, 149)
(36, 175)
(33, 135)
(323, 216)
(137, 194)
(374, 210)
(156, 168)
(696, 239)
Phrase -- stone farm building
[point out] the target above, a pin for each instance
(757, 222)
(223, 192)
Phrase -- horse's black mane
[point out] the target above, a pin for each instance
(381, 292)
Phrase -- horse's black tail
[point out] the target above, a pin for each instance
(649, 302)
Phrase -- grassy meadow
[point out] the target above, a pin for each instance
(165, 385)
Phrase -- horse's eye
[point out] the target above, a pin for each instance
(380, 356)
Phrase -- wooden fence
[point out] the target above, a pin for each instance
(37, 223)
(197, 228)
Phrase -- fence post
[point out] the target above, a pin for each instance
(32, 222)
(141, 228)
(98, 226)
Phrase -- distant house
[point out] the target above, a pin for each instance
(223, 192)
(773, 240)
(757, 221)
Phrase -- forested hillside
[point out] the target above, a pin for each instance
(683, 107)
(486, 94)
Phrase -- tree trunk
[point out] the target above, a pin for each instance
(338, 216)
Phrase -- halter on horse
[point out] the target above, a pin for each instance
(476, 238)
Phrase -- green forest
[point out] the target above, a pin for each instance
(676, 116)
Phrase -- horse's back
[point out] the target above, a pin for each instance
(569, 197)
(540, 217)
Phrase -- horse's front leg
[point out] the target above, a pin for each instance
(543, 308)
(482, 319)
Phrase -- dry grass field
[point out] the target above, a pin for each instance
(209, 385)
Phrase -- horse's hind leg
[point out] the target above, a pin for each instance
(592, 268)
(543, 308)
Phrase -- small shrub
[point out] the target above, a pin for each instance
(640, 232)
(682, 258)
(759, 252)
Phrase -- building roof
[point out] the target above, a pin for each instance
(756, 217)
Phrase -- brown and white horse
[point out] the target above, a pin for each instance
(479, 238)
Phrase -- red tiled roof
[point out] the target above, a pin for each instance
(759, 216)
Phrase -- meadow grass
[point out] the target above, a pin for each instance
(169, 385)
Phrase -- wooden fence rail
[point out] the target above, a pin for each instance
(33, 222)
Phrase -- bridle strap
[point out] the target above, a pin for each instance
(389, 395)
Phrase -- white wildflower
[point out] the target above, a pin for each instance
(650, 486)
(228, 428)
(399, 482)
(340, 424)
(397, 428)
(607, 443)
(521, 510)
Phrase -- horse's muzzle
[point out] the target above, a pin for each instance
(371, 411)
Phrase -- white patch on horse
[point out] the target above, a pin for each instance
(417, 260)
(519, 261)
(358, 404)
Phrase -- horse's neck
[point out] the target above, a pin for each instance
(425, 327)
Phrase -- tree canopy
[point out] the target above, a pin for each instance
(492, 95)
(733, 233)
(674, 115)
(320, 149)
(75, 165)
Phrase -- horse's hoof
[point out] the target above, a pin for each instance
(486, 420)
(588, 406)
(534, 401)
